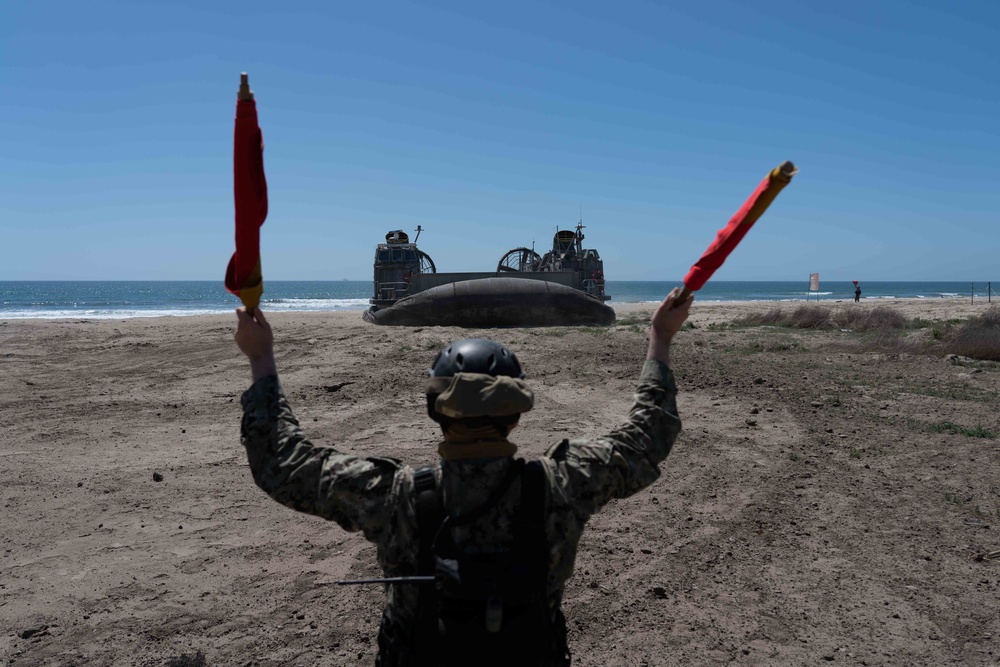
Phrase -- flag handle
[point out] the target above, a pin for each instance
(682, 298)
(788, 169)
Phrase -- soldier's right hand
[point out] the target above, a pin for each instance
(667, 321)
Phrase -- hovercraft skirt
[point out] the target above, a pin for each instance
(495, 302)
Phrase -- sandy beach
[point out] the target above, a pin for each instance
(833, 496)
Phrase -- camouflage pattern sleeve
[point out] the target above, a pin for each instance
(354, 492)
(590, 472)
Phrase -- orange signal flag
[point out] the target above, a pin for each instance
(729, 236)
(243, 275)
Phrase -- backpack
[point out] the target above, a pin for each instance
(486, 609)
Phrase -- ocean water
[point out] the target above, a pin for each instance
(124, 299)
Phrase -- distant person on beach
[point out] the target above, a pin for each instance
(494, 537)
(857, 293)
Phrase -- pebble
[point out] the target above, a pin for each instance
(157, 477)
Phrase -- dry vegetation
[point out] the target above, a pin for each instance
(977, 338)
(880, 318)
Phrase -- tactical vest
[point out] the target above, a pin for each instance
(485, 609)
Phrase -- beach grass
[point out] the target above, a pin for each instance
(979, 338)
(880, 318)
(891, 332)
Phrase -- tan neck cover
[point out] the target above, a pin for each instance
(462, 444)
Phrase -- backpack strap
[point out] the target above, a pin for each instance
(531, 514)
(531, 539)
(430, 515)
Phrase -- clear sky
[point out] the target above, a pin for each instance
(490, 124)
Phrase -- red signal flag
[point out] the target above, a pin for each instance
(730, 235)
(243, 275)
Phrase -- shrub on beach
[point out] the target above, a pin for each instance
(772, 317)
(879, 318)
(811, 317)
(803, 317)
(979, 338)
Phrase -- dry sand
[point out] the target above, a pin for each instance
(822, 504)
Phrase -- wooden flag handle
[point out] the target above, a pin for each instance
(682, 298)
(244, 94)
(788, 169)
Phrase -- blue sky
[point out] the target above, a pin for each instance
(490, 124)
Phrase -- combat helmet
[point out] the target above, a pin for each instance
(476, 355)
(473, 398)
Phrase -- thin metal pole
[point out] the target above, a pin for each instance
(973, 293)
(387, 580)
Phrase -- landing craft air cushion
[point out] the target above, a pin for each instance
(565, 287)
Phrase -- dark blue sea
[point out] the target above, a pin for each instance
(123, 299)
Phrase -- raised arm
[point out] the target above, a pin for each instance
(354, 492)
(590, 472)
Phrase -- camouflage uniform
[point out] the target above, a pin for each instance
(375, 494)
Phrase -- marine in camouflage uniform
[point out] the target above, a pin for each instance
(376, 495)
